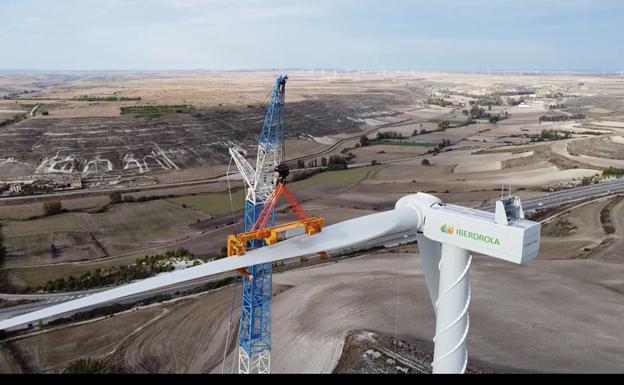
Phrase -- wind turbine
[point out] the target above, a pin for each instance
(447, 235)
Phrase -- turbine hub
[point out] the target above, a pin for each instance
(420, 203)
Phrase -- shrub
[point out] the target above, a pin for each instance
(115, 197)
(53, 207)
(87, 366)
(54, 251)
(443, 124)
(337, 162)
(612, 171)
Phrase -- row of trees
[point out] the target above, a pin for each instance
(143, 268)
(15, 119)
(312, 163)
(386, 135)
(551, 134)
(613, 172)
(444, 124)
(560, 118)
(116, 197)
(35, 189)
(157, 109)
(439, 101)
(498, 117)
(477, 112)
(610, 172)
(438, 148)
(335, 162)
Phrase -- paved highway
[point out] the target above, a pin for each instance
(562, 197)
(553, 199)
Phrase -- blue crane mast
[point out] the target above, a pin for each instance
(255, 315)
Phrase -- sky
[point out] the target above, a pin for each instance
(331, 34)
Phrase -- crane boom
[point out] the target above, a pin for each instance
(271, 143)
(255, 320)
(248, 173)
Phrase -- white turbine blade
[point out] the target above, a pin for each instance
(430, 253)
(340, 235)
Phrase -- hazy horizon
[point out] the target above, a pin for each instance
(330, 71)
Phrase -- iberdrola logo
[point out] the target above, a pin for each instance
(448, 230)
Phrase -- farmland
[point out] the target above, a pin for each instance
(325, 117)
(123, 228)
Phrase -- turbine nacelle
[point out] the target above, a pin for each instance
(513, 239)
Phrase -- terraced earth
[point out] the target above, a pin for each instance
(170, 141)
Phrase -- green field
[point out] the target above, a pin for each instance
(38, 244)
(127, 225)
(123, 228)
(215, 204)
(127, 228)
(345, 177)
(57, 223)
(37, 277)
(29, 210)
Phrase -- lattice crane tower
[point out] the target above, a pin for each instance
(255, 318)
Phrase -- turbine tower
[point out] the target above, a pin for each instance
(447, 235)
(254, 344)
